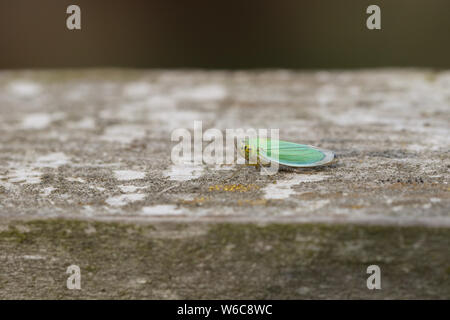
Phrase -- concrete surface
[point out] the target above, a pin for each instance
(86, 179)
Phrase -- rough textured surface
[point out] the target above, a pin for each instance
(221, 261)
(94, 146)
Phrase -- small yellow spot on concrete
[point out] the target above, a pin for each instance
(196, 201)
(234, 187)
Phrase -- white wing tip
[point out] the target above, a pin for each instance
(329, 157)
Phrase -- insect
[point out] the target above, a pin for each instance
(263, 151)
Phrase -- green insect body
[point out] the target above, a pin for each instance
(263, 151)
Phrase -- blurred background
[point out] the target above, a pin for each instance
(224, 34)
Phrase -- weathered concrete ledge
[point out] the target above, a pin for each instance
(86, 179)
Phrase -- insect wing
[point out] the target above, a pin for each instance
(295, 155)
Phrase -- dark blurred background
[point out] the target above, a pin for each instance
(224, 34)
